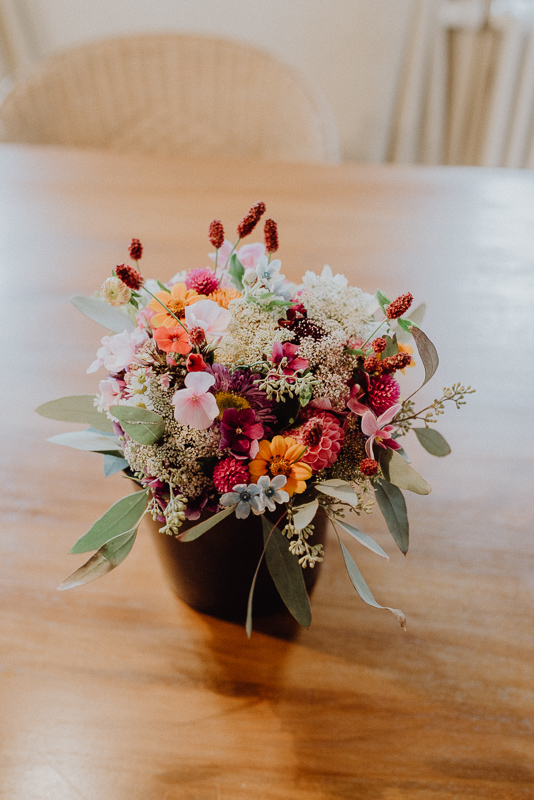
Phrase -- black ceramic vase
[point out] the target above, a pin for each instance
(213, 573)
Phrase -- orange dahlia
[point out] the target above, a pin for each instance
(176, 300)
(281, 457)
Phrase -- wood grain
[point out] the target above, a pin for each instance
(117, 690)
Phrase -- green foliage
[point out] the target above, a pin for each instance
(361, 537)
(427, 353)
(393, 507)
(122, 516)
(361, 587)
(398, 472)
(96, 308)
(76, 408)
(392, 347)
(202, 527)
(340, 490)
(236, 270)
(142, 425)
(303, 515)
(94, 441)
(432, 441)
(107, 558)
(286, 573)
(113, 464)
(383, 300)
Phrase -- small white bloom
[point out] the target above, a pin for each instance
(272, 490)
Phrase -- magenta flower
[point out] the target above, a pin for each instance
(288, 351)
(378, 430)
(195, 405)
(240, 432)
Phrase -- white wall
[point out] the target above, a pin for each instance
(352, 49)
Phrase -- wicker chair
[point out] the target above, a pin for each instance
(172, 94)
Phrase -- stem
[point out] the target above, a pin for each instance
(167, 309)
(374, 332)
(216, 257)
(226, 266)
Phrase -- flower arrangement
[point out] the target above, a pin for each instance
(231, 391)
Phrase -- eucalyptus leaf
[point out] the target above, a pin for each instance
(236, 270)
(363, 590)
(397, 471)
(76, 408)
(340, 490)
(382, 299)
(392, 346)
(427, 352)
(202, 527)
(122, 516)
(416, 316)
(432, 441)
(393, 507)
(286, 573)
(107, 558)
(303, 515)
(89, 439)
(305, 396)
(248, 621)
(361, 537)
(113, 464)
(142, 425)
(96, 308)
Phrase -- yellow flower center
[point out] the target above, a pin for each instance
(176, 305)
(279, 466)
(230, 400)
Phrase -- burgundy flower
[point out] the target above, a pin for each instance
(288, 351)
(240, 432)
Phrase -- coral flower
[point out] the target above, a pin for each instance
(172, 340)
(281, 457)
(176, 300)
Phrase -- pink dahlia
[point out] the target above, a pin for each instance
(324, 437)
(384, 392)
(228, 473)
(202, 280)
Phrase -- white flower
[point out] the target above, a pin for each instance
(209, 316)
(271, 491)
(245, 498)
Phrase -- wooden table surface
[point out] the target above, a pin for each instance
(117, 690)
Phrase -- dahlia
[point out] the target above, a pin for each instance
(323, 436)
(384, 391)
(202, 280)
(228, 473)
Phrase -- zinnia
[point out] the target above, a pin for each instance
(281, 457)
(176, 300)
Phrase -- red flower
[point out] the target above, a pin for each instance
(195, 363)
(129, 276)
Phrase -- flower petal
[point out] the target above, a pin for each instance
(257, 467)
(199, 382)
(278, 446)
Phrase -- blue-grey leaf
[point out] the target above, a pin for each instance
(286, 573)
(397, 471)
(113, 464)
(76, 408)
(193, 533)
(361, 537)
(96, 308)
(91, 440)
(123, 515)
(303, 515)
(432, 441)
(142, 425)
(108, 557)
(393, 507)
(427, 352)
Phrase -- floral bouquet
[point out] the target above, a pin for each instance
(232, 391)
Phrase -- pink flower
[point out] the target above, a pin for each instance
(248, 254)
(195, 405)
(288, 351)
(209, 316)
(353, 402)
(118, 351)
(323, 436)
(378, 430)
(110, 393)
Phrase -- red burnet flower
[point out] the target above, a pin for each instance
(399, 306)
(368, 467)
(135, 249)
(379, 344)
(131, 277)
(228, 473)
(250, 220)
(394, 363)
(270, 235)
(216, 233)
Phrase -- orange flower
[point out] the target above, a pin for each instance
(223, 296)
(172, 340)
(406, 348)
(176, 300)
(281, 457)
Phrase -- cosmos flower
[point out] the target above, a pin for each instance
(195, 405)
(209, 316)
(172, 340)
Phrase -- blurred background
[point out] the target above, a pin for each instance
(408, 81)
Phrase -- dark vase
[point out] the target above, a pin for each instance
(213, 573)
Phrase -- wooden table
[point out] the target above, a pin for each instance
(117, 690)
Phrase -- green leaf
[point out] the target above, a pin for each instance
(202, 527)
(392, 347)
(303, 515)
(416, 317)
(432, 441)
(89, 439)
(97, 309)
(427, 352)
(236, 270)
(76, 408)
(363, 590)
(393, 507)
(123, 515)
(113, 464)
(397, 471)
(340, 490)
(361, 537)
(108, 557)
(286, 573)
(405, 325)
(305, 396)
(163, 287)
(142, 425)
(350, 352)
(382, 299)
